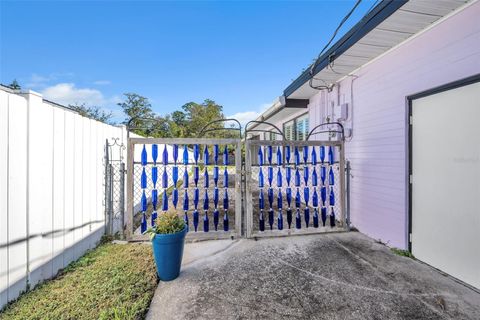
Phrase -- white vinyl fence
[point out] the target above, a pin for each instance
(51, 188)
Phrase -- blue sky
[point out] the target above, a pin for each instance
(240, 54)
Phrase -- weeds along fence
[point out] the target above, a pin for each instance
(52, 192)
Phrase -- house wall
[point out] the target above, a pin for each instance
(378, 148)
(51, 189)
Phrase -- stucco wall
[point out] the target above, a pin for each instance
(378, 150)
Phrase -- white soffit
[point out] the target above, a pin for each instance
(410, 19)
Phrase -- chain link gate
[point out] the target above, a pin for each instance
(294, 187)
(281, 188)
(114, 187)
(198, 178)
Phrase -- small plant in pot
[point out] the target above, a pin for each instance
(168, 239)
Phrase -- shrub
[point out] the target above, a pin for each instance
(166, 223)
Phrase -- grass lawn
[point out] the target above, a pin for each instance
(113, 281)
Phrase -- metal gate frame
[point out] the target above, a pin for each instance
(249, 144)
(132, 142)
(243, 186)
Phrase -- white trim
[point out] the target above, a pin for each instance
(411, 38)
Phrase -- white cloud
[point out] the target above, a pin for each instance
(67, 93)
(102, 82)
(246, 116)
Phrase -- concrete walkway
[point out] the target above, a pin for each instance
(329, 276)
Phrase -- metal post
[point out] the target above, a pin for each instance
(129, 212)
(110, 199)
(106, 187)
(248, 189)
(342, 183)
(238, 188)
(122, 199)
(348, 195)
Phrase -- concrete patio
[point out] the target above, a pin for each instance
(330, 276)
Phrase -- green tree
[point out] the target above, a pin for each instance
(139, 109)
(197, 115)
(15, 85)
(94, 112)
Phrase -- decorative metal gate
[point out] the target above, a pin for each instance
(114, 187)
(200, 178)
(287, 187)
(294, 187)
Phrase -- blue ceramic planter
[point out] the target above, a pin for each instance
(168, 253)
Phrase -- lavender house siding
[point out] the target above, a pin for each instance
(378, 151)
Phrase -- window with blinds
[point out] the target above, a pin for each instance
(288, 130)
(302, 127)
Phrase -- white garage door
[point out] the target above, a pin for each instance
(446, 181)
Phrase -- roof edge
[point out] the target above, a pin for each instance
(369, 22)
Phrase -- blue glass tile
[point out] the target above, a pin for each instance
(185, 201)
(196, 175)
(225, 178)
(165, 178)
(154, 176)
(270, 176)
(154, 198)
(215, 154)
(297, 156)
(261, 200)
(297, 178)
(185, 155)
(175, 153)
(314, 157)
(288, 193)
(260, 178)
(165, 201)
(279, 200)
(144, 201)
(315, 198)
(196, 197)
(144, 156)
(288, 175)
(154, 153)
(215, 175)
(165, 155)
(307, 216)
(306, 172)
(225, 200)
(206, 201)
(196, 153)
(175, 176)
(143, 179)
(314, 177)
(270, 197)
(185, 178)
(306, 195)
(215, 197)
(323, 174)
(225, 156)
(175, 198)
(322, 154)
(205, 156)
(331, 177)
(332, 197)
(205, 178)
(260, 157)
(297, 199)
(279, 178)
